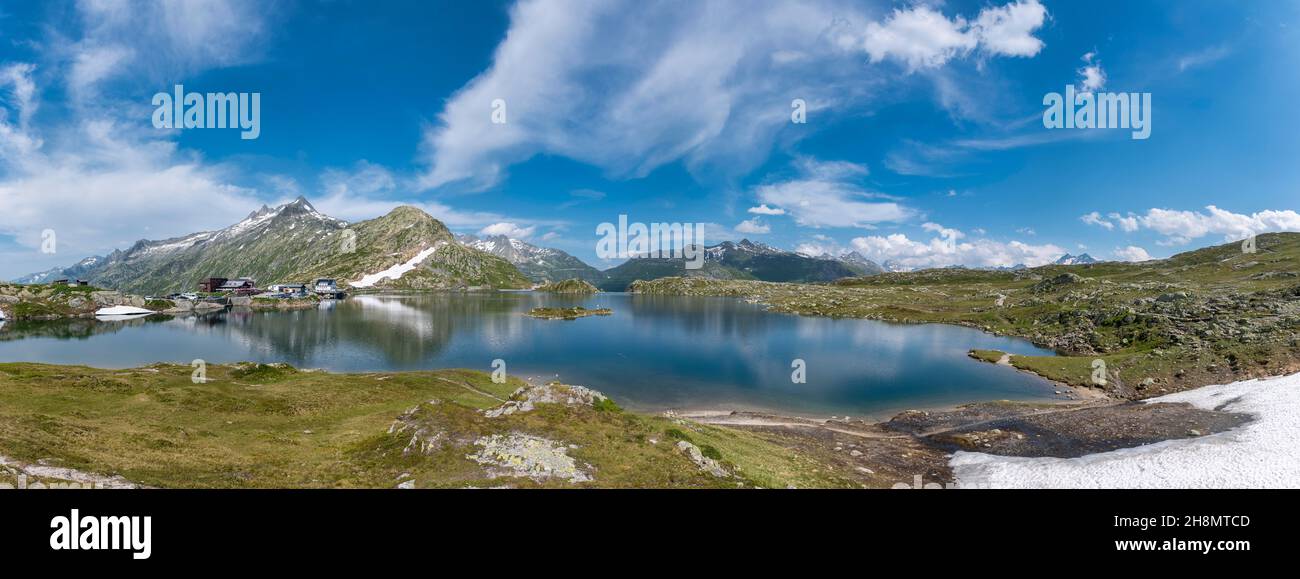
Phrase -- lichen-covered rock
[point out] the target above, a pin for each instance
(525, 398)
(705, 463)
(522, 455)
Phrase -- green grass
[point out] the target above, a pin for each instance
(22, 310)
(256, 425)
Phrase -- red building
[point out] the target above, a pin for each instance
(212, 284)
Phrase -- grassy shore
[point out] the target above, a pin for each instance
(274, 426)
(1208, 316)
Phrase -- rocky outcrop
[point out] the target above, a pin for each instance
(106, 299)
(1056, 283)
(705, 463)
(523, 455)
(524, 399)
(568, 286)
(49, 302)
(425, 439)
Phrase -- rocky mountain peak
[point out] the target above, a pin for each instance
(1082, 258)
(298, 206)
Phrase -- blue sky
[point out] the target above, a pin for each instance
(924, 122)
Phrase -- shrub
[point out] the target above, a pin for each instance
(676, 434)
(262, 372)
(159, 305)
(606, 405)
(710, 452)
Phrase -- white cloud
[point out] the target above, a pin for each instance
(1095, 218)
(1127, 223)
(365, 179)
(1132, 253)
(1204, 57)
(942, 231)
(16, 140)
(830, 204)
(97, 177)
(92, 210)
(181, 38)
(945, 249)
(765, 210)
(919, 37)
(700, 86)
(101, 185)
(1092, 77)
(822, 195)
(1183, 226)
(811, 249)
(922, 37)
(507, 229)
(1009, 30)
(92, 65)
(1180, 227)
(753, 227)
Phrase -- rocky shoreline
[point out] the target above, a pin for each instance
(913, 449)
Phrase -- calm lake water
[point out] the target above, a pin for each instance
(653, 353)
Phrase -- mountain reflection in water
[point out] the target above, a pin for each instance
(655, 352)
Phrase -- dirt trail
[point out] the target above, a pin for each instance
(466, 386)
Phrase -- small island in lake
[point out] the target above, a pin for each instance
(572, 313)
(568, 286)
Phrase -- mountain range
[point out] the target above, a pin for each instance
(409, 249)
(540, 264)
(1081, 259)
(743, 260)
(294, 242)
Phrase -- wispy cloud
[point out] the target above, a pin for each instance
(93, 176)
(709, 86)
(1204, 57)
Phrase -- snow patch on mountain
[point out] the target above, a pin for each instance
(1081, 259)
(397, 271)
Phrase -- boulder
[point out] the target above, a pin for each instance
(705, 463)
